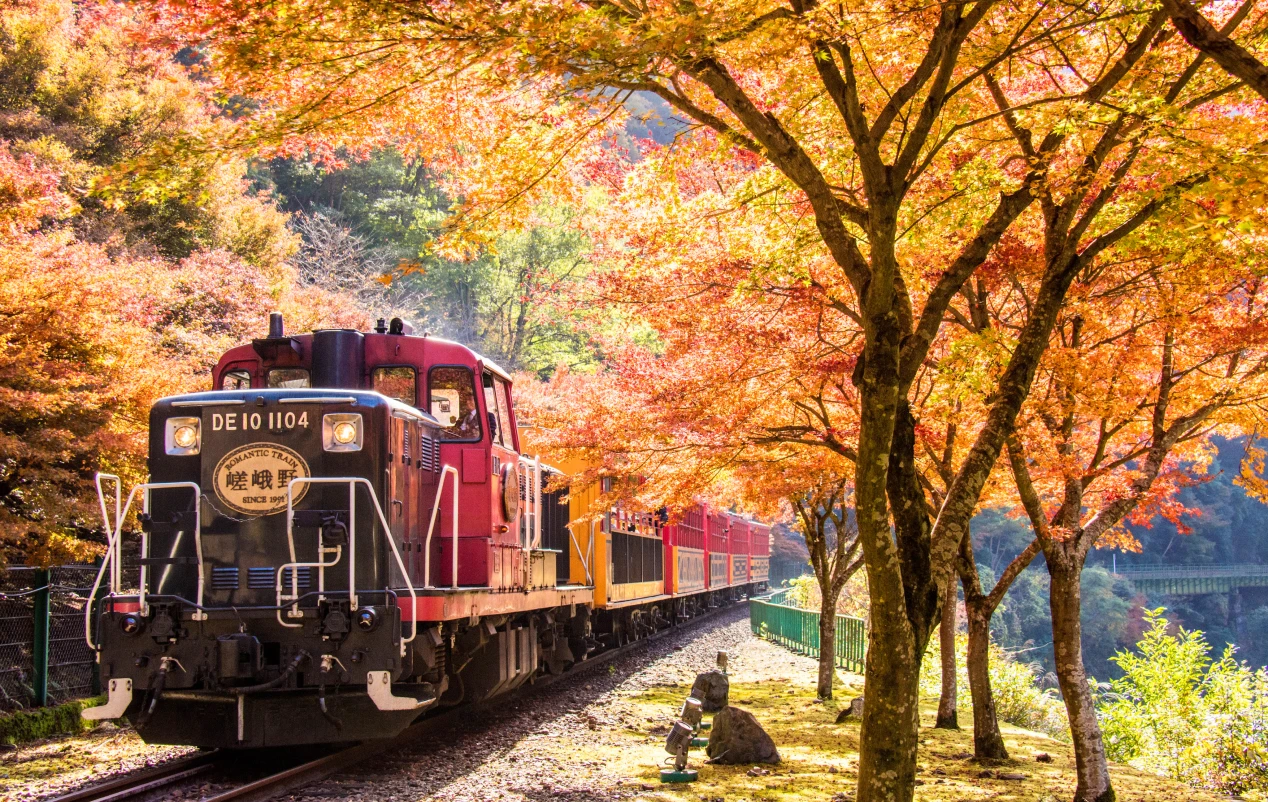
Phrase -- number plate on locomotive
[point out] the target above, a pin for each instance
(252, 479)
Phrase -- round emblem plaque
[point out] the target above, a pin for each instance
(252, 479)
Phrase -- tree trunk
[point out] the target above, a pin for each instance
(891, 716)
(1089, 750)
(827, 646)
(947, 718)
(988, 743)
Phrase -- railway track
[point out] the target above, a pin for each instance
(148, 781)
(151, 783)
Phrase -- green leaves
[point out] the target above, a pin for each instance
(1178, 712)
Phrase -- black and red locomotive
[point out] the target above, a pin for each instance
(344, 534)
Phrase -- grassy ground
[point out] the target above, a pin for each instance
(820, 757)
(49, 766)
(45, 722)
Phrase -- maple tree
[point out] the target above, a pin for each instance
(110, 300)
(1188, 282)
(781, 483)
(889, 147)
(823, 515)
(1155, 354)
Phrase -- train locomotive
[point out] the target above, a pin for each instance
(344, 534)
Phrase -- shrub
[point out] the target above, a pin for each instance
(1018, 698)
(1176, 712)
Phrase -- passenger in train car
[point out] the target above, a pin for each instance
(451, 399)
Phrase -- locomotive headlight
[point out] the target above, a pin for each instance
(130, 624)
(345, 433)
(184, 436)
(341, 431)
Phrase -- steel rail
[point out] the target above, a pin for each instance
(146, 781)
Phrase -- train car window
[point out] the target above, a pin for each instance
(452, 401)
(504, 411)
(495, 400)
(289, 378)
(397, 382)
(236, 379)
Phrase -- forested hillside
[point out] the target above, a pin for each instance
(116, 287)
(368, 229)
(1225, 525)
(131, 257)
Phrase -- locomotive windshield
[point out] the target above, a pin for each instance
(289, 378)
(397, 382)
(236, 379)
(452, 401)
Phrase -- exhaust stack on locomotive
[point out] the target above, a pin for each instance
(344, 534)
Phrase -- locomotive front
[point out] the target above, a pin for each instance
(268, 577)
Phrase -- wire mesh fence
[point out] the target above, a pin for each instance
(71, 667)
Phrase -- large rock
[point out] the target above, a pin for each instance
(738, 738)
(712, 689)
(852, 712)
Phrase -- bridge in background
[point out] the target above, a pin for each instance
(1183, 580)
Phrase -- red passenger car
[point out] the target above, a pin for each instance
(759, 561)
(719, 551)
(738, 546)
(685, 552)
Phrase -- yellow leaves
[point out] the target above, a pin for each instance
(1251, 475)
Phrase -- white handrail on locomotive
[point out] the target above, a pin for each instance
(111, 544)
(530, 534)
(352, 482)
(110, 561)
(294, 565)
(113, 550)
(447, 470)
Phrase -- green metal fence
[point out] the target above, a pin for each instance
(798, 630)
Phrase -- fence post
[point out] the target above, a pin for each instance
(94, 682)
(40, 639)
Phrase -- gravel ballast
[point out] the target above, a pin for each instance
(571, 740)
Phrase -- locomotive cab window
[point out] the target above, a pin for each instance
(452, 401)
(496, 401)
(289, 378)
(398, 382)
(236, 379)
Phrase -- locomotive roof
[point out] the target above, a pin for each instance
(493, 367)
(488, 363)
